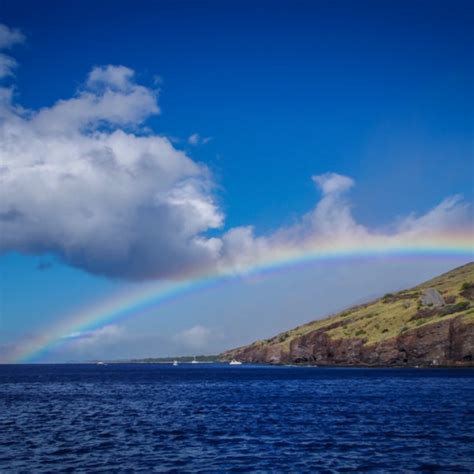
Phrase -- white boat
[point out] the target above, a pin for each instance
(235, 362)
(194, 361)
(175, 363)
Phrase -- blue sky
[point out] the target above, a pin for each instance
(278, 92)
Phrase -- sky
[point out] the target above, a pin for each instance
(149, 143)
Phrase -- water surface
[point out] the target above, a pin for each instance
(216, 418)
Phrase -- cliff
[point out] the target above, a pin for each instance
(429, 325)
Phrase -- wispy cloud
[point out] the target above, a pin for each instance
(196, 139)
(8, 38)
(105, 335)
(196, 337)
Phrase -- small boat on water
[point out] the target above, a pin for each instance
(175, 363)
(100, 363)
(235, 362)
(194, 361)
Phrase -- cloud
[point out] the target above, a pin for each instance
(105, 335)
(118, 77)
(80, 345)
(83, 180)
(7, 65)
(196, 139)
(8, 38)
(196, 337)
(447, 215)
(333, 183)
(110, 99)
(331, 218)
(331, 222)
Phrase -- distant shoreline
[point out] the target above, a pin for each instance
(244, 364)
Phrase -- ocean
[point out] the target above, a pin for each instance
(217, 418)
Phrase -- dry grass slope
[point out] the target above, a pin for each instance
(393, 314)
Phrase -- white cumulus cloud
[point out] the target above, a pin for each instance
(79, 179)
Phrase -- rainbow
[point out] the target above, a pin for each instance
(143, 298)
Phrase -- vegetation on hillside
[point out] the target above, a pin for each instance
(394, 313)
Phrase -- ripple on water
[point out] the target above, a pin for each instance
(216, 419)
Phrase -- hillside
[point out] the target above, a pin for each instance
(430, 324)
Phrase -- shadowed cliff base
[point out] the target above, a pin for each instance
(431, 324)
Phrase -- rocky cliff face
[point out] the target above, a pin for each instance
(433, 335)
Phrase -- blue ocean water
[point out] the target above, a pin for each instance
(217, 418)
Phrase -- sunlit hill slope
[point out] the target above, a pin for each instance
(430, 324)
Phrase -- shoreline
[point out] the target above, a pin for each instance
(245, 364)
